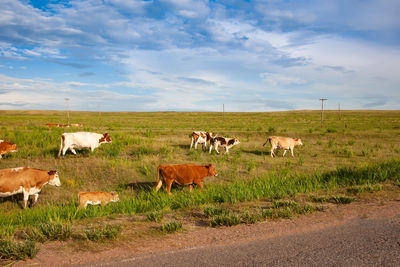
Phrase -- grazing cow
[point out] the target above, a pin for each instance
(57, 125)
(27, 181)
(183, 174)
(76, 125)
(285, 143)
(6, 147)
(199, 137)
(80, 140)
(223, 142)
(96, 198)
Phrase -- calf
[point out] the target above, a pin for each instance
(26, 181)
(81, 140)
(285, 143)
(223, 142)
(96, 198)
(6, 147)
(183, 174)
(199, 137)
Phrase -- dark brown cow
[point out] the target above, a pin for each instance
(223, 142)
(6, 147)
(27, 181)
(183, 174)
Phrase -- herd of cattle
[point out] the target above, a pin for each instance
(29, 181)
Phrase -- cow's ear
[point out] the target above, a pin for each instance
(105, 134)
(51, 172)
(208, 166)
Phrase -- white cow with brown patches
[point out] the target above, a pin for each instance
(285, 143)
(81, 140)
(200, 137)
(26, 181)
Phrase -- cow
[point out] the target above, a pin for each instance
(200, 137)
(183, 174)
(223, 142)
(57, 125)
(285, 143)
(76, 125)
(26, 181)
(81, 140)
(96, 198)
(6, 147)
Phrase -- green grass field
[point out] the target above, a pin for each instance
(361, 148)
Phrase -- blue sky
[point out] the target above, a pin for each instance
(195, 55)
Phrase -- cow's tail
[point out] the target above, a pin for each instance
(268, 140)
(159, 181)
(61, 145)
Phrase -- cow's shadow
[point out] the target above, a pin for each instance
(140, 186)
(257, 152)
(18, 198)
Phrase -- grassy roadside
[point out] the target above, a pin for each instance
(274, 186)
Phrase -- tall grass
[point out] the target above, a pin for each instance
(273, 186)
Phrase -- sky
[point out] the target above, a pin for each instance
(197, 55)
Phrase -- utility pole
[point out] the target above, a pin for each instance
(340, 115)
(322, 109)
(223, 111)
(67, 103)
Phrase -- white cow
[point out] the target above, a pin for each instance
(81, 140)
(285, 143)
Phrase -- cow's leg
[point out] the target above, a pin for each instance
(158, 186)
(190, 188)
(64, 150)
(72, 150)
(226, 150)
(211, 146)
(191, 143)
(168, 186)
(284, 152)
(272, 152)
(216, 148)
(291, 150)
(35, 199)
(26, 198)
(1, 156)
(195, 145)
(199, 183)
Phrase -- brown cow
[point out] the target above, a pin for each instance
(183, 174)
(6, 147)
(96, 198)
(27, 181)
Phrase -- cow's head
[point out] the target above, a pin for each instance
(209, 135)
(233, 142)
(105, 139)
(54, 178)
(211, 170)
(13, 147)
(298, 141)
(114, 197)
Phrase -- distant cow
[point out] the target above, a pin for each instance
(96, 198)
(57, 125)
(81, 140)
(76, 125)
(223, 142)
(183, 174)
(6, 147)
(26, 181)
(285, 143)
(200, 137)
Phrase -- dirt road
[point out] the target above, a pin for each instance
(359, 234)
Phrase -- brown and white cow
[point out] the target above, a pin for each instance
(200, 137)
(183, 174)
(81, 140)
(26, 181)
(6, 147)
(285, 143)
(223, 142)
